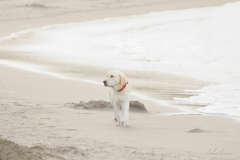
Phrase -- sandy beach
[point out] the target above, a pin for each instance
(37, 124)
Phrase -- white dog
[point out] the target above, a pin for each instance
(119, 95)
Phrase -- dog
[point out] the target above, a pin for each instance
(119, 95)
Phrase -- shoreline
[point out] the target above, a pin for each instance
(33, 115)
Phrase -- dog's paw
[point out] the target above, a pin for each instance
(119, 123)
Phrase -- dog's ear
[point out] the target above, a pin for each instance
(123, 79)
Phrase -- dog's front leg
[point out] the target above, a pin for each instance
(115, 111)
(117, 114)
(125, 113)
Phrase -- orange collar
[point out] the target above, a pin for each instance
(124, 86)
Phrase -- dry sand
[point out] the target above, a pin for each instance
(38, 125)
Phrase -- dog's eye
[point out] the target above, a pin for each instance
(112, 76)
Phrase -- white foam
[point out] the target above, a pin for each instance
(222, 99)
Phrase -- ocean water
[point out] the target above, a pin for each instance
(189, 56)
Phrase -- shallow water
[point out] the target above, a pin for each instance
(162, 53)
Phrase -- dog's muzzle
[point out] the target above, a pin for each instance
(105, 83)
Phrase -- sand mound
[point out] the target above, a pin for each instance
(61, 152)
(35, 5)
(12, 151)
(135, 106)
(196, 130)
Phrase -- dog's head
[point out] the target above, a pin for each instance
(115, 79)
